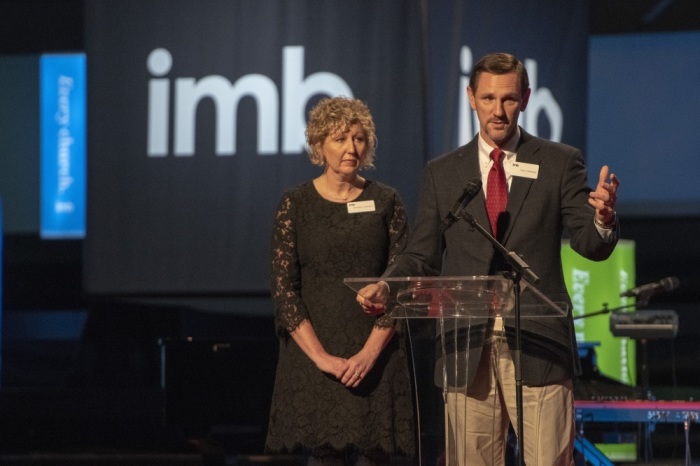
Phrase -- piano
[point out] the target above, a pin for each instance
(638, 411)
(648, 413)
(599, 400)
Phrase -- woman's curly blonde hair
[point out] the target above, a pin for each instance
(338, 114)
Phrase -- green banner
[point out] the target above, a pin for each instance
(594, 287)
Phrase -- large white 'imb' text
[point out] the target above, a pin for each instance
(189, 92)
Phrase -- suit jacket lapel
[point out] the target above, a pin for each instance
(520, 186)
(469, 170)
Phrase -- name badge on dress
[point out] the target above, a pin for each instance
(360, 206)
(526, 170)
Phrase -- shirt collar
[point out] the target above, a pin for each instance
(509, 148)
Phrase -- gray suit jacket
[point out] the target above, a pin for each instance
(538, 212)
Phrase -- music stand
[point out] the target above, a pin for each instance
(461, 308)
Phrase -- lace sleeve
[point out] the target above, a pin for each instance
(398, 230)
(285, 278)
(398, 237)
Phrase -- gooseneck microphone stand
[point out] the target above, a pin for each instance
(519, 269)
(607, 310)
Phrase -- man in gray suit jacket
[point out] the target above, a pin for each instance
(547, 193)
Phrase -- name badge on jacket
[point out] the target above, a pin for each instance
(526, 170)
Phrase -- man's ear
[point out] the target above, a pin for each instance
(526, 99)
(472, 100)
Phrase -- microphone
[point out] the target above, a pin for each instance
(665, 284)
(470, 191)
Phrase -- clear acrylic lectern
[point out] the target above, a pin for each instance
(456, 316)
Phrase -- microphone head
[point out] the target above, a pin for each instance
(670, 283)
(473, 186)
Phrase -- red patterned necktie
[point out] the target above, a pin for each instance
(496, 190)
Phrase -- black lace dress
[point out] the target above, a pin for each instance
(315, 245)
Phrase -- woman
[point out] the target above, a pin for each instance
(342, 392)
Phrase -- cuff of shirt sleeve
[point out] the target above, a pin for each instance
(606, 230)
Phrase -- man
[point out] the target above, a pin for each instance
(540, 190)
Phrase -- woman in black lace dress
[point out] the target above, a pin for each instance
(342, 392)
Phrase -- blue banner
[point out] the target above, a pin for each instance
(63, 158)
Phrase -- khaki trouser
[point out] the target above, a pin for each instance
(477, 418)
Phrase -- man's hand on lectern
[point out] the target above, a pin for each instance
(373, 298)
